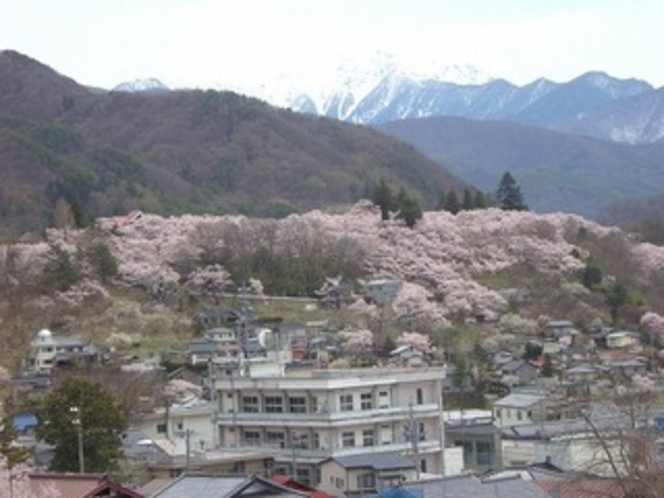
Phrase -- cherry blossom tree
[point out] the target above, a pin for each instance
(417, 341)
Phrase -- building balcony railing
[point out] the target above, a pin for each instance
(340, 418)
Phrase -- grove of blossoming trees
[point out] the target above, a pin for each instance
(443, 261)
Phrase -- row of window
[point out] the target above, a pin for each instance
(298, 404)
(302, 440)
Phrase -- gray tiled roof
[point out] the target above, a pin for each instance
(197, 486)
(518, 400)
(471, 486)
(377, 461)
(216, 486)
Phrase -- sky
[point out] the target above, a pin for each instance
(208, 43)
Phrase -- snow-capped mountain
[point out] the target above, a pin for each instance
(381, 88)
(148, 85)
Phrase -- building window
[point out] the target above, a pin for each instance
(347, 439)
(420, 396)
(383, 399)
(297, 404)
(250, 404)
(346, 402)
(366, 401)
(274, 404)
(252, 438)
(275, 439)
(485, 451)
(161, 428)
(519, 415)
(368, 438)
(498, 413)
(366, 481)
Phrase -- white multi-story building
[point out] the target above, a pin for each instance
(309, 416)
(46, 351)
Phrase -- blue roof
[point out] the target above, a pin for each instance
(24, 420)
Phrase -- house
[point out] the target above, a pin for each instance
(472, 486)
(79, 486)
(305, 416)
(47, 351)
(381, 292)
(407, 355)
(366, 473)
(622, 339)
(518, 372)
(480, 441)
(627, 369)
(220, 486)
(518, 408)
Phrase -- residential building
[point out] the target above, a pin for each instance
(47, 351)
(518, 408)
(220, 486)
(366, 473)
(311, 415)
(382, 292)
(475, 432)
(518, 372)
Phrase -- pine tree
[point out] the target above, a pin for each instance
(383, 197)
(509, 196)
(452, 204)
(480, 200)
(467, 203)
(440, 205)
(409, 210)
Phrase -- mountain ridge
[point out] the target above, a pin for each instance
(183, 151)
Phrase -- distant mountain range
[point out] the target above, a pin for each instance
(382, 90)
(107, 152)
(556, 171)
(594, 104)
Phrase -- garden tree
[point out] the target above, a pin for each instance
(467, 202)
(100, 422)
(547, 366)
(452, 204)
(532, 351)
(63, 216)
(383, 197)
(409, 210)
(102, 260)
(12, 453)
(14, 280)
(616, 297)
(128, 389)
(60, 272)
(508, 195)
(591, 276)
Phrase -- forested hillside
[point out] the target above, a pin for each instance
(182, 152)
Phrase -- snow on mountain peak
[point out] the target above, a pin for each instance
(141, 85)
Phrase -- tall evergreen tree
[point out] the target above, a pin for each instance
(480, 200)
(467, 203)
(81, 419)
(440, 205)
(508, 195)
(384, 198)
(409, 210)
(452, 203)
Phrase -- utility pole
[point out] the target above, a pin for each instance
(75, 411)
(413, 433)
